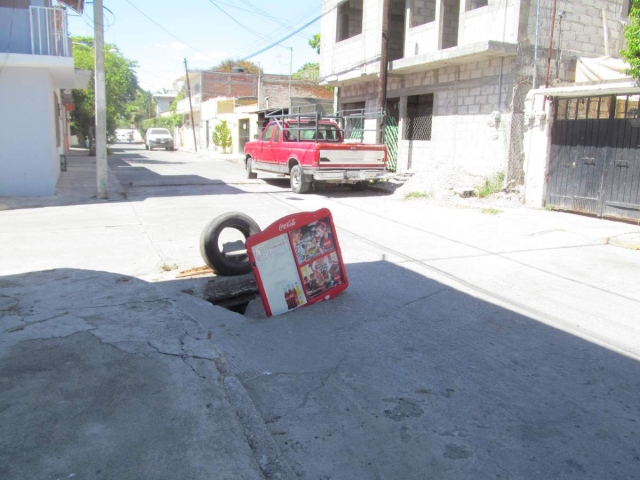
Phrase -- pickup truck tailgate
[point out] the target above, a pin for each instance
(352, 156)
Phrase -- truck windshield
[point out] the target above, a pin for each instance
(325, 133)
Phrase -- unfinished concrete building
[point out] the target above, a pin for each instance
(459, 70)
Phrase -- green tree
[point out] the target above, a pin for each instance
(121, 87)
(169, 122)
(141, 108)
(228, 64)
(632, 34)
(173, 108)
(315, 42)
(221, 136)
(309, 71)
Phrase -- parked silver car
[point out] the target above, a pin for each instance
(158, 138)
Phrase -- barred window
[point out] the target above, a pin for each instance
(417, 125)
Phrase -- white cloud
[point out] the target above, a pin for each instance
(177, 46)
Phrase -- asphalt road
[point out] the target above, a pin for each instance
(466, 346)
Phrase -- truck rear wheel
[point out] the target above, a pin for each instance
(296, 180)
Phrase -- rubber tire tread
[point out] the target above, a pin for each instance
(209, 250)
(250, 174)
(304, 187)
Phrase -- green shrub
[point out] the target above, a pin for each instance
(221, 136)
(491, 211)
(491, 185)
(417, 195)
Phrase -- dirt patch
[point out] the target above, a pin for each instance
(449, 186)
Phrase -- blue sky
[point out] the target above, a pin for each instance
(204, 34)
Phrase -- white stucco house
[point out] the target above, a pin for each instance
(36, 67)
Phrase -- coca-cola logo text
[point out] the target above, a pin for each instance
(289, 224)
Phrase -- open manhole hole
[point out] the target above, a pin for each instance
(232, 293)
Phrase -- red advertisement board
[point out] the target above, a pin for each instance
(297, 261)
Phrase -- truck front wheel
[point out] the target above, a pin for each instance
(250, 173)
(296, 179)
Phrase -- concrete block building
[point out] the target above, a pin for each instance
(459, 70)
(240, 99)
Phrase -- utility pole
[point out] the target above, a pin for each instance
(101, 102)
(535, 53)
(384, 65)
(193, 125)
(553, 24)
(290, 76)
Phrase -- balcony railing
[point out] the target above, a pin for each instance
(49, 35)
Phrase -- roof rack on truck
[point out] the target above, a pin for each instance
(357, 125)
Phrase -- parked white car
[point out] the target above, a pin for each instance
(158, 138)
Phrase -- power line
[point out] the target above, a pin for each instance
(239, 23)
(167, 31)
(296, 21)
(271, 17)
(286, 37)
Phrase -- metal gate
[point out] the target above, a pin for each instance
(594, 166)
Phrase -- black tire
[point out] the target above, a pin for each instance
(296, 180)
(359, 187)
(250, 173)
(218, 260)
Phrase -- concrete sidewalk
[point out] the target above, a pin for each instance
(77, 185)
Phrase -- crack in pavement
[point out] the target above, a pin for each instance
(185, 361)
(121, 304)
(28, 324)
(323, 383)
(432, 294)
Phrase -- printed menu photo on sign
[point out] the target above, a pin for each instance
(312, 240)
(322, 274)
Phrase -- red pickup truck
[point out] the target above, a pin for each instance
(314, 150)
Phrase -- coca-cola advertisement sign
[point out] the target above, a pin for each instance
(297, 261)
(289, 224)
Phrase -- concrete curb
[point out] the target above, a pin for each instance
(267, 454)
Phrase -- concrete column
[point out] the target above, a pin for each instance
(402, 156)
(407, 25)
(465, 5)
(439, 23)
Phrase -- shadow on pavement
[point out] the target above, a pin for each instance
(328, 190)
(101, 376)
(401, 377)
